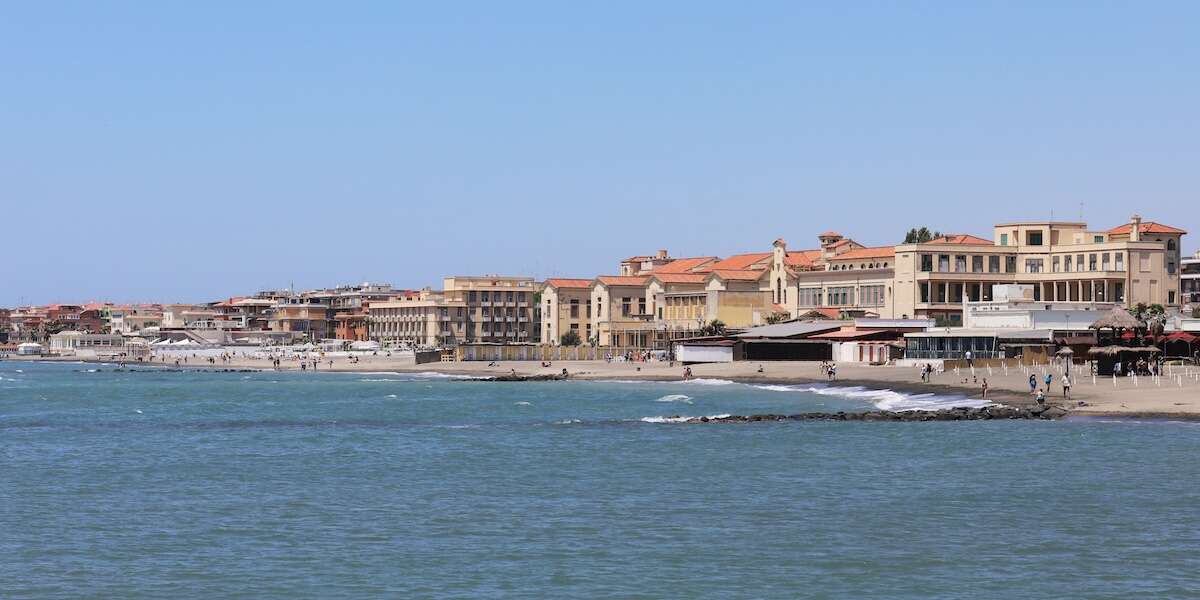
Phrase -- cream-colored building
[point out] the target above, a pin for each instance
(566, 306)
(425, 319)
(1063, 261)
(853, 279)
(498, 309)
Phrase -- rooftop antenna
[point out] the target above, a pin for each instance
(1081, 212)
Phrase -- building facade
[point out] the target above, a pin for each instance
(1189, 279)
(566, 306)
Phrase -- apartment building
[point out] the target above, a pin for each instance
(498, 309)
(424, 319)
(1189, 279)
(566, 305)
(1063, 261)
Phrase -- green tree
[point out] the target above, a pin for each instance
(778, 316)
(714, 327)
(920, 236)
(571, 338)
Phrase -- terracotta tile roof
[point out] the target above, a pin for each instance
(685, 265)
(738, 274)
(1147, 227)
(638, 259)
(680, 277)
(860, 253)
(738, 262)
(801, 258)
(840, 243)
(832, 313)
(830, 234)
(960, 239)
(636, 280)
(559, 282)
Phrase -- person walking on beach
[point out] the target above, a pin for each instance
(984, 389)
(970, 360)
(1049, 378)
(1032, 383)
(1041, 397)
(832, 371)
(1066, 383)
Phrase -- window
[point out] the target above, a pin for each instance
(976, 264)
(1033, 265)
(641, 306)
(1171, 246)
(1091, 262)
(1105, 263)
(1054, 264)
(1098, 239)
(943, 263)
(471, 296)
(809, 296)
(1004, 239)
(993, 264)
(588, 308)
(960, 264)
(925, 291)
(574, 309)
(484, 296)
(1010, 264)
(1120, 261)
(626, 306)
(841, 296)
(1067, 263)
(1171, 267)
(871, 295)
(1033, 238)
(926, 263)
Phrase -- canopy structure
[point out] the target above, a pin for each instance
(1117, 318)
(1115, 350)
(1065, 352)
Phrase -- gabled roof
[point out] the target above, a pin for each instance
(861, 253)
(634, 280)
(680, 277)
(685, 265)
(960, 239)
(738, 262)
(559, 282)
(739, 274)
(1147, 227)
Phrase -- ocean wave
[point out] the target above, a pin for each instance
(568, 422)
(661, 419)
(706, 381)
(522, 403)
(885, 399)
(675, 398)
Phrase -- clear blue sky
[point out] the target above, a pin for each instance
(190, 151)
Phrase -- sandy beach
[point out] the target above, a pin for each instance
(1175, 396)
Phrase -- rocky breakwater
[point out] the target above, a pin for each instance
(521, 378)
(986, 413)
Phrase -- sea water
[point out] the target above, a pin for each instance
(338, 485)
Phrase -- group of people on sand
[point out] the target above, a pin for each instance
(1039, 393)
(926, 372)
(829, 369)
(1141, 367)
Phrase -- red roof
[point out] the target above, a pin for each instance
(635, 280)
(960, 239)
(684, 265)
(830, 234)
(1147, 227)
(832, 313)
(738, 274)
(801, 258)
(680, 277)
(739, 262)
(857, 253)
(569, 283)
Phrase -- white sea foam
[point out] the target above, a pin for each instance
(685, 419)
(391, 396)
(567, 422)
(523, 403)
(675, 398)
(885, 399)
(703, 381)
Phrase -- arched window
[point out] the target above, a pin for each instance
(1170, 244)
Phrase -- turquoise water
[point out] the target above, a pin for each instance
(233, 485)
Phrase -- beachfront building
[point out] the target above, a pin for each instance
(566, 306)
(5, 325)
(1063, 262)
(303, 316)
(70, 343)
(622, 315)
(842, 278)
(498, 309)
(1189, 279)
(419, 319)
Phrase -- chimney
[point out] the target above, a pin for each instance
(1135, 234)
(662, 254)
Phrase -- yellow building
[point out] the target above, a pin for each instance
(498, 309)
(425, 319)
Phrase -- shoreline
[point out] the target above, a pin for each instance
(1123, 398)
